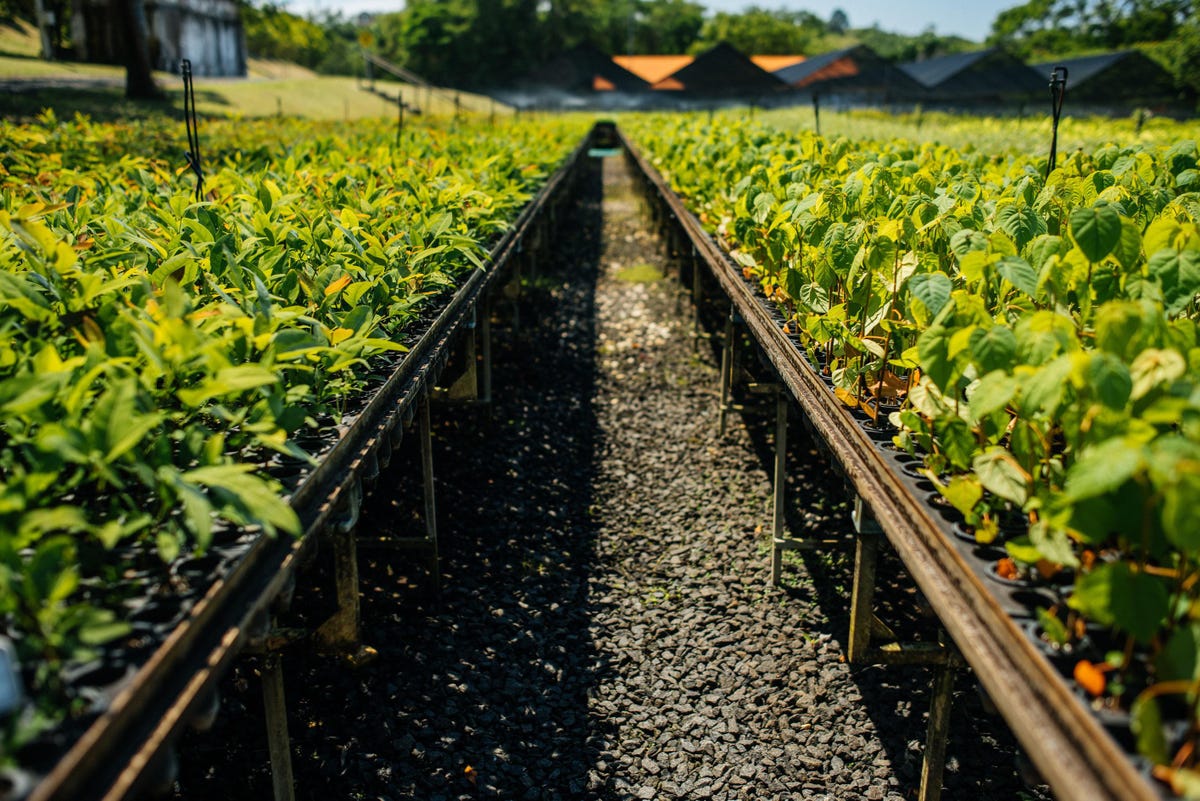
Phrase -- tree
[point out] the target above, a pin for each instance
(761, 32)
(1186, 47)
(130, 16)
(1063, 27)
(838, 23)
(668, 26)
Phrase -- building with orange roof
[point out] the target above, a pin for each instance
(653, 69)
(776, 63)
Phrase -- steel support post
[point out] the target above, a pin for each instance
(513, 291)
(778, 540)
(485, 349)
(426, 435)
(341, 631)
(726, 372)
(278, 743)
(935, 739)
(697, 300)
(862, 599)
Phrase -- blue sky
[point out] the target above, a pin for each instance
(969, 18)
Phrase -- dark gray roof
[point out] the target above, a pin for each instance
(852, 70)
(796, 73)
(1081, 68)
(1122, 75)
(978, 74)
(935, 71)
(725, 71)
(578, 68)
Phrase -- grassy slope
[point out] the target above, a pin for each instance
(270, 88)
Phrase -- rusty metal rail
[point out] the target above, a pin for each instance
(126, 751)
(1075, 753)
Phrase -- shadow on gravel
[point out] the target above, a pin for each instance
(483, 691)
(981, 751)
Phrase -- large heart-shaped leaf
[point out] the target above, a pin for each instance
(932, 289)
(1096, 230)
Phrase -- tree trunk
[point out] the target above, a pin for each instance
(130, 16)
(39, 12)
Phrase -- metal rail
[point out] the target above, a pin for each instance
(1075, 754)
(123, 752)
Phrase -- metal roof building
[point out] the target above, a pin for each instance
(981, 77)
(1115, 82)
(856, 71)
(722, 72)
(586, 68)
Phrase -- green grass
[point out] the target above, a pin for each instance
(19, 38)
(640, 274)
(271, 88)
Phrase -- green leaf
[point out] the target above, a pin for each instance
(1045, 247)
(1155, 368)
(1103, 469)
(957, 440)
(1146, 724)
(101, 626)
(1117, 328)
(1113, 594)
(1001, 475)
(229, 381)
(993, 348)
(966, 240)
(254, 500)
(963, 492)
(933, 348)
(1185, 783)
(1128, 251)
(1181, 502)
(1178, 274)
(1179, 659)
(1053, 544)
(1019, 273)
(1110, 379)
(1022, 223)
(932, 289)
(1043, 389)
(992, 393)
(1096, 230)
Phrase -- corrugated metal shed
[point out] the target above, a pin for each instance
(586, 68)
(982, 76)
(775, 63)
(852, 70)
(1124, 78)
(722, 71)
(653, 69)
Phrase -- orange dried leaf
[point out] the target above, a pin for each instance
(1089, 677)
(847, 397)
(1047, 569)
(1006, 568)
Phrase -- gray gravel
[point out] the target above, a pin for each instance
(607, 629)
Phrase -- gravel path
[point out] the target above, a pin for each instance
(607, 628)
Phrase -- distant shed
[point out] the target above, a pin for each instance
(653, 69)
(1117, 82)
(774, 64)
(722, 72)
(857, 72)
(585, 68)
(982, 77)
(208, 33)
